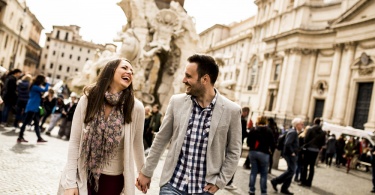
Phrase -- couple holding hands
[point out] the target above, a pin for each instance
(202, 127)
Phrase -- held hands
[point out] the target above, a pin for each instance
(143, 183)
(72, 191)
(211, 188)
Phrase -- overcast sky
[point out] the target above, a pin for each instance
(100, 20)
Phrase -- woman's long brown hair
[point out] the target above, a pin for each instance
(95, 93)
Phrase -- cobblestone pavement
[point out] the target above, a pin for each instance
(35, 169)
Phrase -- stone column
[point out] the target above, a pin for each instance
(284, 69)
(291, 81)
(370, 125)
(332, 85)
(309, 82)
(341, 98)
(263, 90)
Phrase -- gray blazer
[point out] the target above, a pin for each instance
(224, 140)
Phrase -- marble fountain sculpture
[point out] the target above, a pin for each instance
(157, 42)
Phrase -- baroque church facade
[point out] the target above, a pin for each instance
(301, 58)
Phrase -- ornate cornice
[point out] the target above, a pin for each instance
(365, 45)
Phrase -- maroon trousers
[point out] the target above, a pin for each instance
(108, 185)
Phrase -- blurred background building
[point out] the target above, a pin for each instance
(65, 53)
(301, 58)
(19, 36)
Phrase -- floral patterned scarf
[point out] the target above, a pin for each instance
(102, 139)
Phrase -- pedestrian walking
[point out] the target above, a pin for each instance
(56, 113)
(331, 149)
(314, 141)
(350, 150)
(202, 125)
(147, 135)
(67, 113)
(10, 94)
(23, 96)
(275, 133)
(244, 115)
(106, 136)
(289, 153)
(340, 151)
(261, 143)
(49, 102)
(373, 168)
(154, 125)
(301, 153)
(38, 86)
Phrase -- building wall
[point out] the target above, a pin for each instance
(13, 15)
(65, 53)
(306, 52)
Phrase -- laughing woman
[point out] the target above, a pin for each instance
(106, 137)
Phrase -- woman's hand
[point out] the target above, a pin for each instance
(72, 191)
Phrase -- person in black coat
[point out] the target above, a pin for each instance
(314, 140)
(49, 102)
(261, 143)
(275, 133)
(23, 97)
(373, 168)
(290, 152)
(68, 113)
(9, 93)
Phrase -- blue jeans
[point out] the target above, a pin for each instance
(259, 164)
(286, 177)
(168, 189)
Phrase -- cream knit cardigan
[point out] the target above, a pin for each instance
(74, 174)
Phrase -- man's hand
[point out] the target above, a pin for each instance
(72, 191)
(211, 188)
(143, 183)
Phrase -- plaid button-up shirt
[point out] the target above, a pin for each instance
(190, 172)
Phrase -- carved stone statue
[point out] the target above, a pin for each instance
(157, 42)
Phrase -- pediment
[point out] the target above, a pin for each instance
(362, 10)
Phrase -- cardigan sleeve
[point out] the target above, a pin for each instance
(138, 151)
(69, 177)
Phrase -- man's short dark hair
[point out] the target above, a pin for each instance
(14, 71)
(206, 65)
(245, 109)
(317, 121)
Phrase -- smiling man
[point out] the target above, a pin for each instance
(204, 129)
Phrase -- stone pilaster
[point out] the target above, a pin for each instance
(284, 70)
(263, 91)
(370, 125)
(341, 99)
(309, 83)
(291, 81)
(332, 85)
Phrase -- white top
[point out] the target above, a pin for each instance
(74, 174)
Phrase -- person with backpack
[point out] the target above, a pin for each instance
(289, 153)
(314, 140)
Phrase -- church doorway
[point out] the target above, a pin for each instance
(318, 110)
(362, 104)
